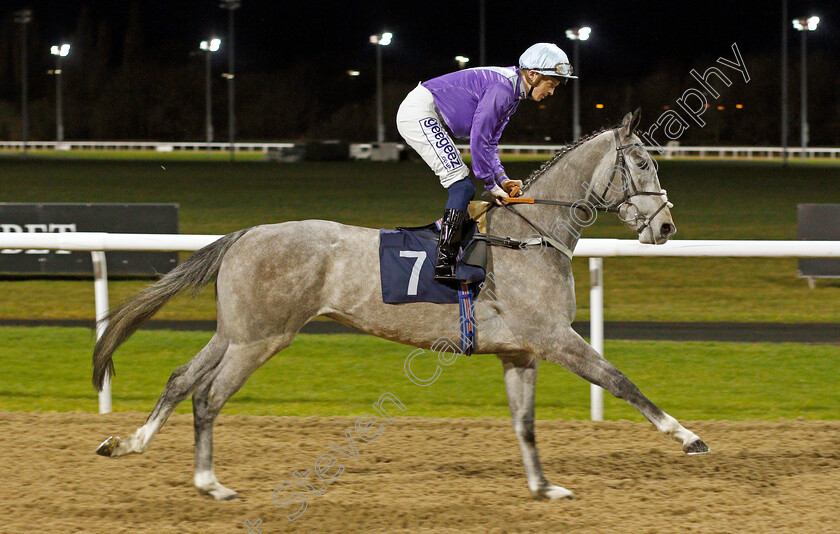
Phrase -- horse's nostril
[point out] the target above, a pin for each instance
(667, 229)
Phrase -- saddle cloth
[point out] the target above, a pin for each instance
(407, 261)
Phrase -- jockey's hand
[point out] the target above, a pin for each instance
(512, 187)
(498, 193)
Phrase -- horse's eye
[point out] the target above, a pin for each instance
(643, 164)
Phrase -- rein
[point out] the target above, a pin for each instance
(628, 186)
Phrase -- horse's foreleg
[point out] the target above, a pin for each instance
(239, 362)
(520, 384)
(181, 383)
(579, 357)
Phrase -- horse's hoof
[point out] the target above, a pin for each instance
(220, 493)
(109, 446)
(552, 493)
(696, 447)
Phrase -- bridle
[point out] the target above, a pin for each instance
(628, 187)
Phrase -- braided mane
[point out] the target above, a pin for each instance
(559, 155)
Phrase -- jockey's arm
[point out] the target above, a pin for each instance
(491, 116)
(510, 187)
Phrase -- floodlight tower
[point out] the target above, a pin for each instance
(380, 40)
(576, 35)
(24, 17)
(805, 25)
(231, 6)
(59, 51)
(208, 47)
(784, 88)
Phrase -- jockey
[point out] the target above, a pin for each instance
(476, 104)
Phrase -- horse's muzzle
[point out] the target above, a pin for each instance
(653, 234)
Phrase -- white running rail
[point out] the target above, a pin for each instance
(748, 152)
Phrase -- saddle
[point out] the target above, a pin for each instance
(406, 260)
(406, 265)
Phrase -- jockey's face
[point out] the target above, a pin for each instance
(544, 88)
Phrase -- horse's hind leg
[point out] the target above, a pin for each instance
(520, 384)
(239, 362)
(579, 357)
(181, 383)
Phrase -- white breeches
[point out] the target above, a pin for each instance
(422, 128)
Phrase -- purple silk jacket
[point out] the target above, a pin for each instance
(477, 104)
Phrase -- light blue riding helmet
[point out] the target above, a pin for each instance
(547, 59)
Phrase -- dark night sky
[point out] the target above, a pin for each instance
(292, 60)
(629, 38)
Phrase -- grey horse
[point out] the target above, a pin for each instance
(273, 279)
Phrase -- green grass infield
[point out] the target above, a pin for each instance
(48, 369)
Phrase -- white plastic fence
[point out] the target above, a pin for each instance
(596, 249)
(156, 146)
(364, 148)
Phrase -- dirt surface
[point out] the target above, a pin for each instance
(421, 475)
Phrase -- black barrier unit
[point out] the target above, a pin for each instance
(113, 218)
(818, 222)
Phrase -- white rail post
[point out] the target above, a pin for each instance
(596, 330)
(100, 295)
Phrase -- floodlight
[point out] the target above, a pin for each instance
(809, 23)
(578, 34)
(382, 40)
(62, 50)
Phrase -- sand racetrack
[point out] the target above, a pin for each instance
(421, 475)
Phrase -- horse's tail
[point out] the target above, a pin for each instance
(199, 270)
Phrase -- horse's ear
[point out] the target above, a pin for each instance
(631, 122)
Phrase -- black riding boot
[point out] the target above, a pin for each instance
(451, 231)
